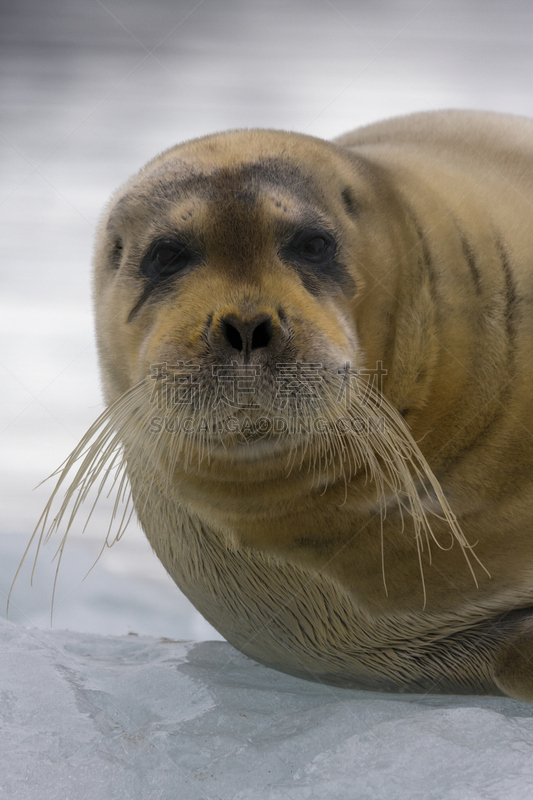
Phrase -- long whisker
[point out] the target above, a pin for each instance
(378, 442)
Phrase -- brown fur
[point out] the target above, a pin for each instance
(418, 575)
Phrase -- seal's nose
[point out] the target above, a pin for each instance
(234, 333)
(246, 336)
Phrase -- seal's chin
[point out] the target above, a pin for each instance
(249, 451)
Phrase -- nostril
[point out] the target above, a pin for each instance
(232, 335)
(262, 335)
(244, 335)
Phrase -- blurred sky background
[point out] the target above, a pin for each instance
(90, 91)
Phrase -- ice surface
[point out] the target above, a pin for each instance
(139, 718)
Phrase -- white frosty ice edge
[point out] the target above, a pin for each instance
(86, 717)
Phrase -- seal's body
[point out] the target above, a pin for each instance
(318, 359)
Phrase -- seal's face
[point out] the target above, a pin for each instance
(235, 279)
(234, 269)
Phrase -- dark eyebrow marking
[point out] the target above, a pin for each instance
(162, 186)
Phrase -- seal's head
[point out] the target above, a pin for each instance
(239, 248)
(232, 285)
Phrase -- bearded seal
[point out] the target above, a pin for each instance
(317, 364)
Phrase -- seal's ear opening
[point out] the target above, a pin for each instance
(116, 254)
(350, 204)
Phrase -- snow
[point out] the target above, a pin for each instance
(86, 717)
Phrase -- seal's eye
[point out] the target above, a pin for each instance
(312, 252)
(165, 259)
(315, 247)
(312, 246)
